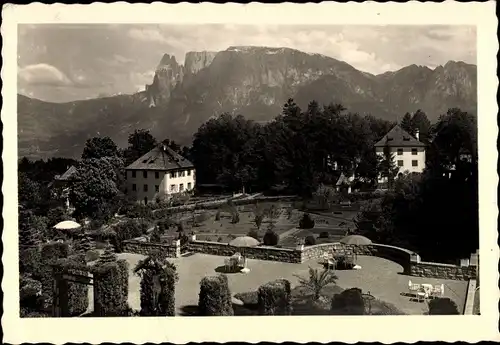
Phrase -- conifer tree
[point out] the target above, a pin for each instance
(108, 255)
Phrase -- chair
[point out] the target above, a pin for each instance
(422, 294)
(227, 264)
(324, 258)
(331, 262)
(414, 288)
(438, 290)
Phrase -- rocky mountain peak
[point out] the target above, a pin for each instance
(196, 61)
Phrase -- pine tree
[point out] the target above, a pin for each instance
(31, 229)
(406, 123)
(108, 255)
(388, 167)
(85, 243)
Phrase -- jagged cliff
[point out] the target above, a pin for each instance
(252, 81)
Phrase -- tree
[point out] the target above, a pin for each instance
(387, 166)
(406, 123)
(420, 123)
(99, 147)
(96, 188)
(443, 306)
(32, 229)
(108, 255)
(317, 281)
(140, 142)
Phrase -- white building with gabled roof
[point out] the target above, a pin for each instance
(160, 173)
(408, 151)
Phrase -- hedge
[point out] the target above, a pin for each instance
(50, 253)
(110, 295)
(215, 297)
(275, 298)
(348, 302)
(166, 302)
(78, 294)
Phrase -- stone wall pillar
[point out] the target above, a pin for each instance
(177, 244)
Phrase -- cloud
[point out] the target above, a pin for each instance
(43, 74)
(149, 35)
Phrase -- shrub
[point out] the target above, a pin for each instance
(56, 215)
(306, 222)
(258, 219)
(29, 292)
(108, 256)
(165, 224)
(235, 218)
(254, 234)
(271, 238)
(30, 261)
(348, 302)
(155, 235)
(96, 224)
(443, 306)
(110, 298)
(345, 263)
(324, 234)
(248, 298)
(92, 255)
(50, 253)
(217, 215)
(310, 240)
(215, 297)
(78, 300)
(275, 298)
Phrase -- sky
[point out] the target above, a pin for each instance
(66, 62)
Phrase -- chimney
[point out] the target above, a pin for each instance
(417, 134)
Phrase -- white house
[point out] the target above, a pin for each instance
(160, 173)
(408, 152)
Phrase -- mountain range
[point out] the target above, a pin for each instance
(247, 80)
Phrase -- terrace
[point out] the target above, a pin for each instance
(383, 278)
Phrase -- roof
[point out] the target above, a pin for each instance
(398, 137)
(161, 157)
(67, 175)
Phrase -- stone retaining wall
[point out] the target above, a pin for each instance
(260, 253)
(146, 248)
(442, 271)
(399, 255)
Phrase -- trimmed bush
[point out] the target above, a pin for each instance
(78, 298)
(158, 278)
(108, 255)
(248, 298)
(306, 222)
(217, 215)
(50, 253)
(310, 240)
(110, 298)
(275, 298)
(324, 234)
(443, 306)
(215, 297)
(254, 234)
(271, 238)
(92, 255)
(348, 302)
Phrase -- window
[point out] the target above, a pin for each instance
(189, 172)
(157, 174)
(134, 187)
(181, 187)
(172, 187)
(145, 187)
(145, 174)
(157, 188)
(400, 152)
(183, 173)
(414, 163)
(400, 163)
(414, 152)
(133, 174)
(189, 185)
(173, 175)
